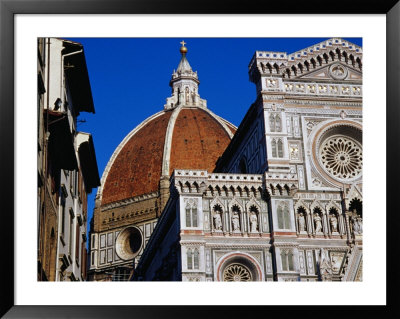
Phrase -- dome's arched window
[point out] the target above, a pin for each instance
(189, 259)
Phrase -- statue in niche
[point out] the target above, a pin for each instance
(302, 222)
(187, 95)
(253, 222)
(359, 223)
(217, 221)
(333, 222)
(356, 225)
(318, 223)
(235, 221)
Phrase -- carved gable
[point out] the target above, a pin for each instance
(333, 71)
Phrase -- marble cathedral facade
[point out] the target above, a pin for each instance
(285, 200)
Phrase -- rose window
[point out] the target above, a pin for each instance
(236, 272)
(341, 157)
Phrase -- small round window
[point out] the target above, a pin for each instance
(128, 243)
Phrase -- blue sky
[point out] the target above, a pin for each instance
(130, 81)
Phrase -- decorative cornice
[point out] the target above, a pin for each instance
(129, 201)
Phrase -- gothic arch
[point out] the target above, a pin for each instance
(217, 202)
(354, 192)
(252, 202)
(333, 205)
(301, 203)
(235, 202)
(316, 204)
(356, 204)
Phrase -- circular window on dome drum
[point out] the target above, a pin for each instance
(339, 152)
(237, 272)
(128, 243)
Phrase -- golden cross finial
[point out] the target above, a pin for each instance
(183, 43)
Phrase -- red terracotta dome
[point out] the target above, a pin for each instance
(181, 138)
(185, 135)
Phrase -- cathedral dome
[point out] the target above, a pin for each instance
(185, 135)
(182, 138)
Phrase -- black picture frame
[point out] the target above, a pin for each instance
(8, 10)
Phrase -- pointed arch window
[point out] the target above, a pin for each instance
(283, 216)
(273, 145)
(278, 123)
(275, 123)
(188, 217)
(189, 259)
(280, 148)
(284, 260)
(194, 216)
(272, 122)
(290, 260)
(196, 259)
(287, 260)
(192, 258)
(277, 148)
(191, 216)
